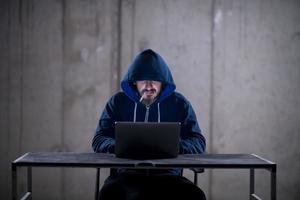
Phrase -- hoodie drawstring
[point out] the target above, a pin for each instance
(158, 113)
(134, 115)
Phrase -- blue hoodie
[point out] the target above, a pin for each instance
(170, 106)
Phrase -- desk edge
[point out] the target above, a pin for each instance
(20, 158)
(259, 157)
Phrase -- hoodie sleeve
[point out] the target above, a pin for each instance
(103, 140)
(192, 141)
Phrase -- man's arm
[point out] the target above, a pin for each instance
(103, 140)
(192, 141)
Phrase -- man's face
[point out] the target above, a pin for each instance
(149, 90)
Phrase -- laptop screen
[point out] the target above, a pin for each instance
(147, 140)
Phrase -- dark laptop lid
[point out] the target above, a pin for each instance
(147, 140)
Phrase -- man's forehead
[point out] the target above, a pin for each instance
(145, 81)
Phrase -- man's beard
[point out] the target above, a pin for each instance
(147, 101)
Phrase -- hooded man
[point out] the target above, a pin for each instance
(149, 96)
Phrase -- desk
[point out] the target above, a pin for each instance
(101, 160)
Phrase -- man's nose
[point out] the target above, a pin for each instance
(148, 84)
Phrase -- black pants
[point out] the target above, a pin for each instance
(142, 187)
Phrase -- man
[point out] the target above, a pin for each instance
(149, 95)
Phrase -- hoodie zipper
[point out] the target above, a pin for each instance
(146, 120)
(147, 113)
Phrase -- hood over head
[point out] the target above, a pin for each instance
(148, 65)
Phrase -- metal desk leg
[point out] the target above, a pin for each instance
(252, 182)
(14, 182)
(97, 184)
(28, 194)
(273, 183)
(195, 178)
(29, 181)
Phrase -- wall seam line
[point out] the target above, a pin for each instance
(212, 93)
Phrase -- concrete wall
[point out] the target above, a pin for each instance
(237, 61)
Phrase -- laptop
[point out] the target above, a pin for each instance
(147, 140)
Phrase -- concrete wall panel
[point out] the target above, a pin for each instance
(56, 72)
(88, 62)
(4, 101)
(256, 90)
(41, 91)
